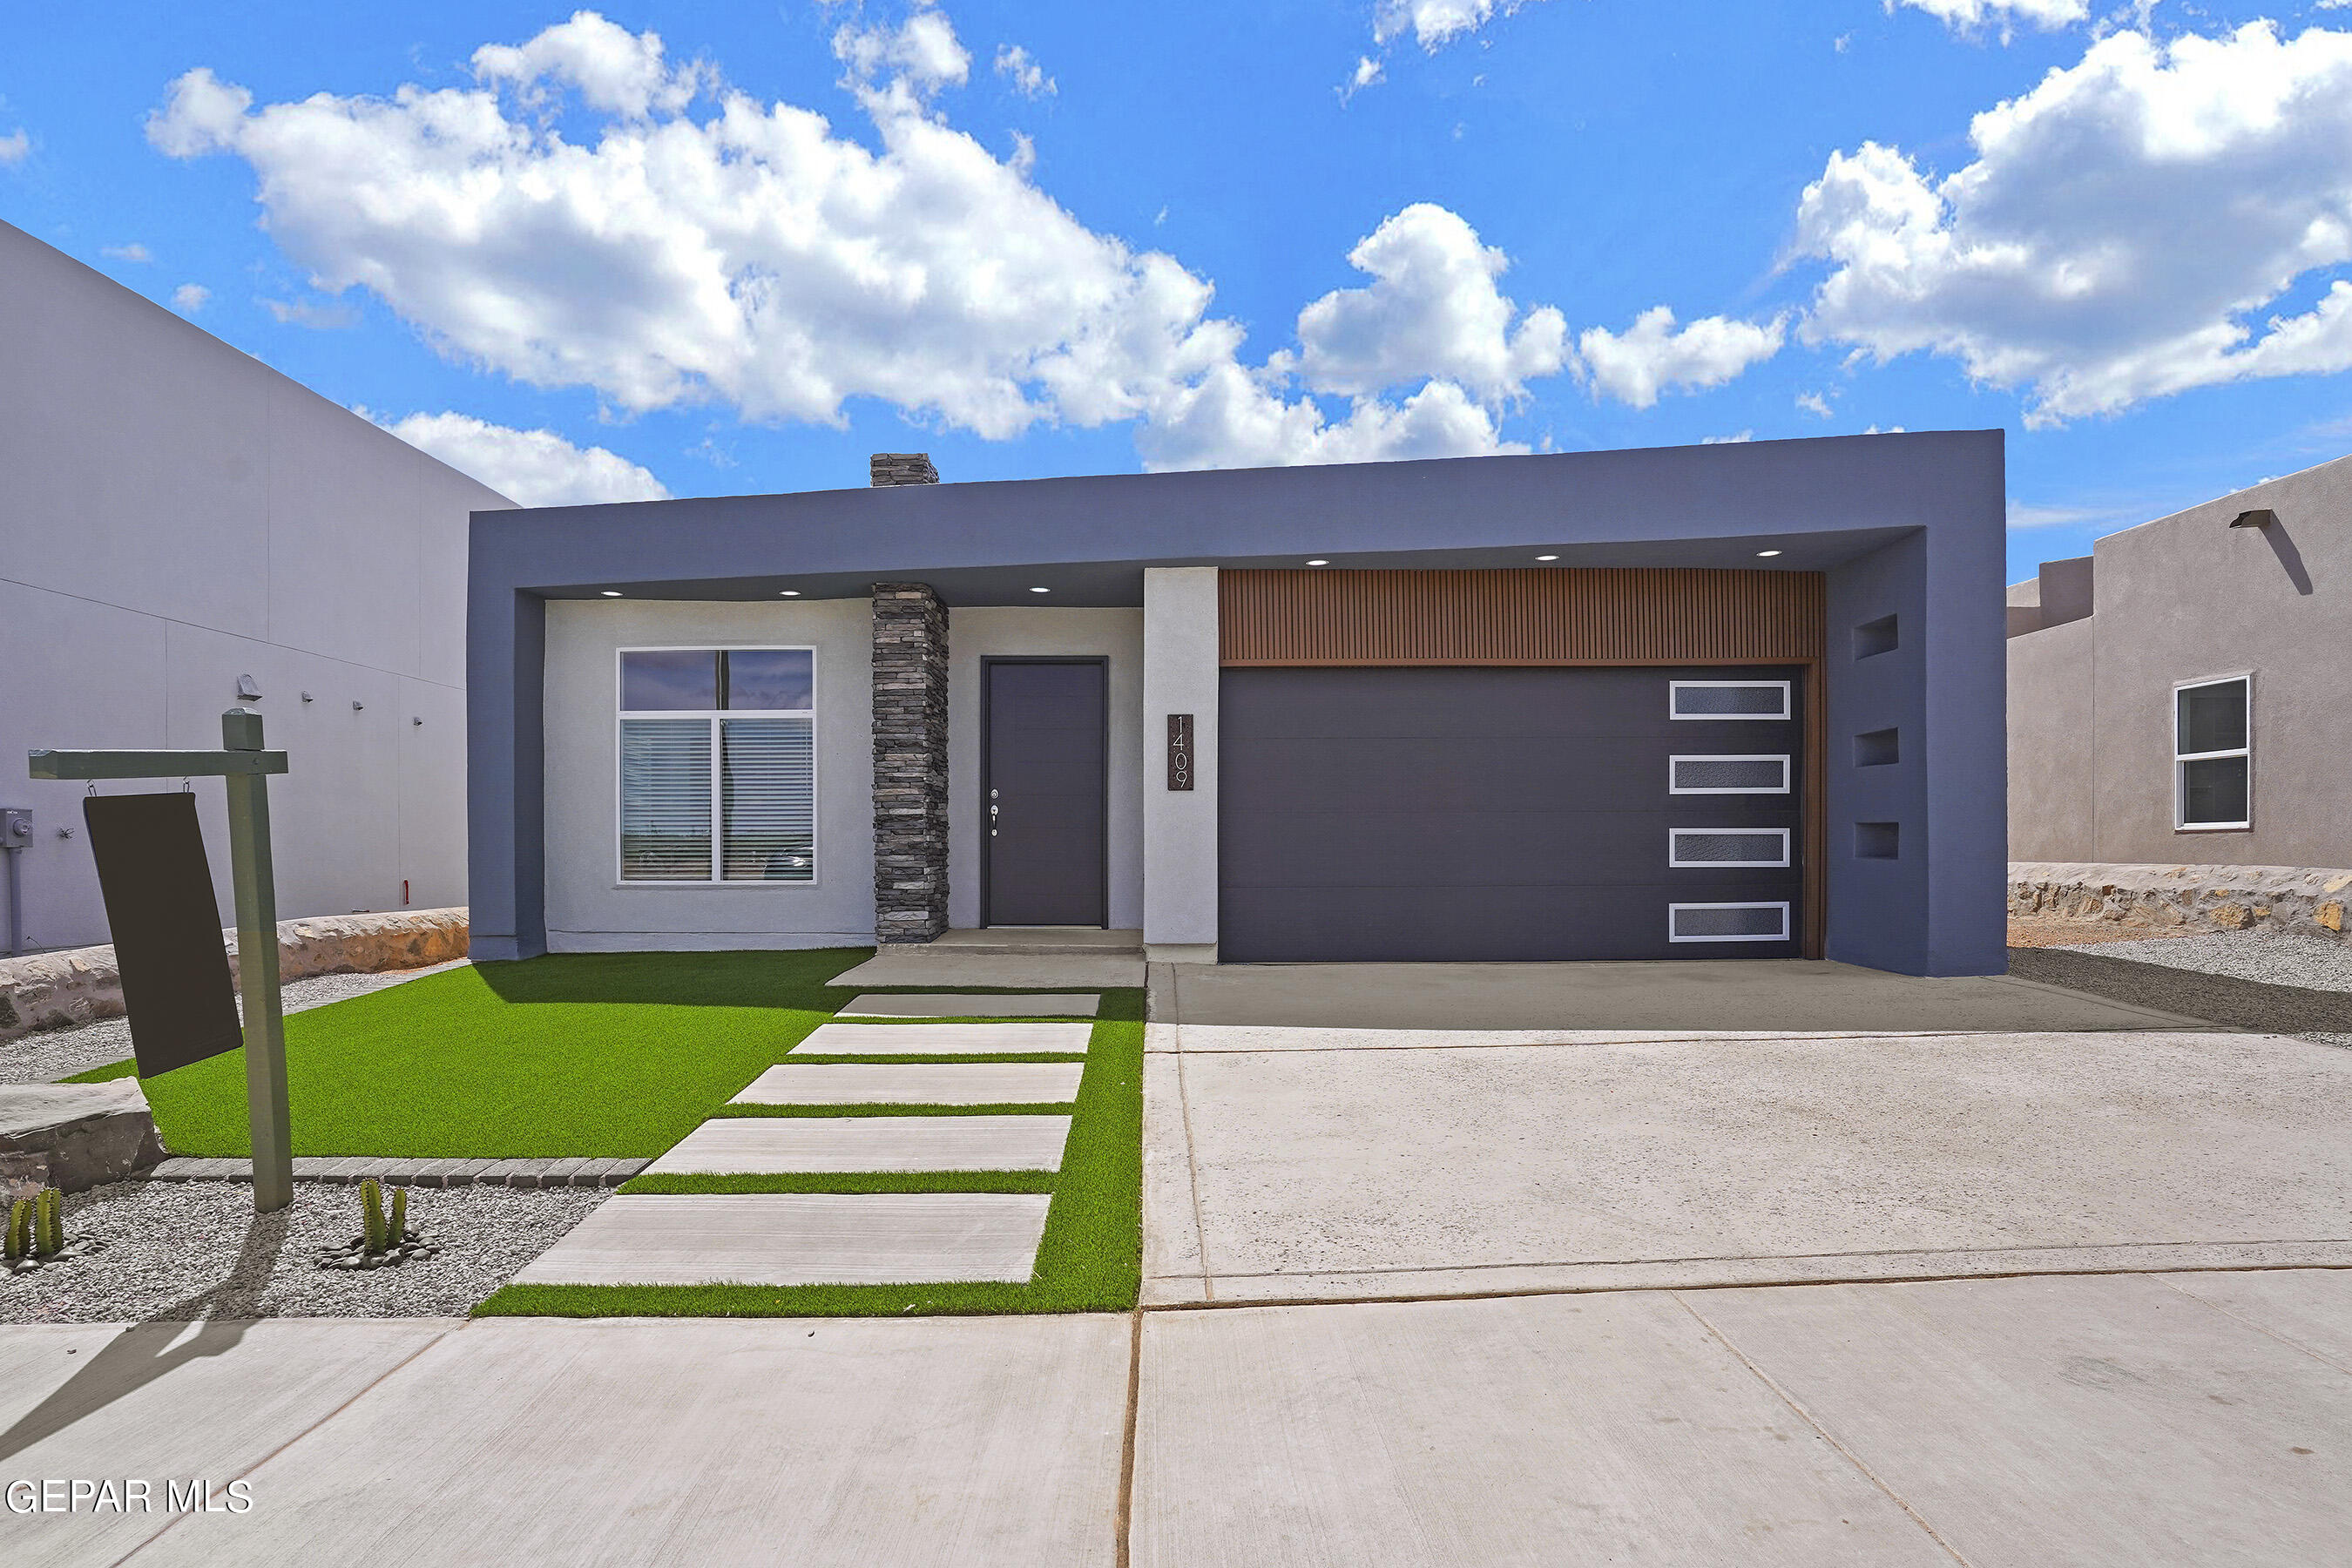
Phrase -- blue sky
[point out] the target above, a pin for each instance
(699, 249)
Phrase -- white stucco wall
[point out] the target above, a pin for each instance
(589, 909)
(1179, 827)
(173, 514)
(978, 634)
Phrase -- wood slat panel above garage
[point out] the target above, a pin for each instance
(1538, 616)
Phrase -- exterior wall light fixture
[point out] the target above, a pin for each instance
(1767, 553)
(1319, 563)
(1041, 590)
(612, 593)
(1547, 557)
(790, 594)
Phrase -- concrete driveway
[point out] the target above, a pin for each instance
(1980, 1127)
(1927, 1272)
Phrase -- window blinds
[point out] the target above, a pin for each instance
(768, 794)
(665, 800)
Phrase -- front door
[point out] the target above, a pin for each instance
(1044, 789)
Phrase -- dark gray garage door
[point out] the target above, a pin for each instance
(1463, 814)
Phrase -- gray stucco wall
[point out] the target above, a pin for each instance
(1827, 505)
(174, 514)
(2184, 598)
(2052, 704)
(589, 909)
(983, 632)
(1180, 676)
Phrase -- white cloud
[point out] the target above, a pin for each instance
(1435, 23)
(319, 316)
(2129, 229)
(190, 298)
(1432, 310)
(1017, 66)
(697, 244)
(13, 148)
(531, 468)
(1813, 402)
(1743, 435)
(2025, 514)
(1369, 73)
(1653, 356)
(131, 252)
(1972, 16)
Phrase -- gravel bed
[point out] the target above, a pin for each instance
(2262, 957)
(179, 1251)
(53, 1054)
(2274, 958)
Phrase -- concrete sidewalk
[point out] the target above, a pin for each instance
(2140, 1421)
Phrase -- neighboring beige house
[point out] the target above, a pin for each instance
(2183, 695)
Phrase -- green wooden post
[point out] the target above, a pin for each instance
(266, 1114)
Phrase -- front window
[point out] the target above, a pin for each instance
(718, 764)
(2213, 753)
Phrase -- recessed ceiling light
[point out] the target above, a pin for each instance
(1547, 557)
(1319, 563)
(1041, 590)
(1767, 553)
(612, 593)
(792, 594)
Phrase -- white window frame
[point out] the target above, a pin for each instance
(2180, 759)
(1674, 910)
(1672, 850)
(717, 804)
(1673, 704)
(1672, 762)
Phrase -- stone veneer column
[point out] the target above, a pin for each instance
(910, 763)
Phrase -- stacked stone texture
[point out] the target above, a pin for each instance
(902, 468)
(910, 763)
(2158, 899)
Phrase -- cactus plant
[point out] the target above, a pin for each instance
(371, 1214)
(20, 1228)
(49, 1223)
(399, 1227)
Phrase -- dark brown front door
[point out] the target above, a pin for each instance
(1044, 793)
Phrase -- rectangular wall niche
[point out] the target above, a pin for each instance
(1874, 637)
(1877, 840)
(1877, 748)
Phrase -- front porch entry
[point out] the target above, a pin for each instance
(1045, 727)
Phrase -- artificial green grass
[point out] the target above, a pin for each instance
(595, 1055)
(1091, 1260)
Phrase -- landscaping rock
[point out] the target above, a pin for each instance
(88, 1133)
(63, 990)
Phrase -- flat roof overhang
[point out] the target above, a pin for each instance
(1819, 503)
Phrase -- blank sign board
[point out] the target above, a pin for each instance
(158, 888)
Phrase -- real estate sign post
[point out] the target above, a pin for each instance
(244, 767)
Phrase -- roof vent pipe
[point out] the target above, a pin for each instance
(903, 469)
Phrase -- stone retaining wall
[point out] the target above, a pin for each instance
(59, 990)
(2178, 899)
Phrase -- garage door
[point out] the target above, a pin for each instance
(1500, 813)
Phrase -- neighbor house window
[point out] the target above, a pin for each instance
(2212, 752)
(718, 764)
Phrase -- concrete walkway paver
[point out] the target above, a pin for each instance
(1554, 1430)
(2091, 1422)
(825, 1443)
(948, 1004)
(1016, 1038)
(790, 1145)
(798, 1239)
(917, 1083)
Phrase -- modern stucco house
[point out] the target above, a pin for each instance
(1708, 701)
(183, 528)
(2181, 695)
